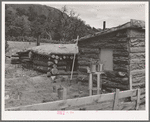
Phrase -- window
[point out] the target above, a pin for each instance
(106, 57)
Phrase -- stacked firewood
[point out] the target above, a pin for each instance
(53, 64)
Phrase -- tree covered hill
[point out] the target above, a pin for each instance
(24, 21)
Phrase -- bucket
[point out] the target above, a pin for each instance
(62, 93)
(93, 68)
(48, 74)
(100, 68)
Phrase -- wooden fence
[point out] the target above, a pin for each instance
(110, 101)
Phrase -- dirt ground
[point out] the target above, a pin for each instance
(26, 87)
(29, 87)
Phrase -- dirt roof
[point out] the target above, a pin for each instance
(55, 49)
(131, 24)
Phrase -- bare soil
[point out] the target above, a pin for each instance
(28, 87)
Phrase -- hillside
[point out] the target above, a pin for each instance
(41, 21)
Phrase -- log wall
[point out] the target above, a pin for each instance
(137, 57)
(118, 41)
(128, 57)
(40, 63)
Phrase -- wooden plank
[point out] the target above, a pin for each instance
(58, 105)
(138, 99)
(115, 106)
(90, 84)
(96, 106)
(141, 97)
(127, 105)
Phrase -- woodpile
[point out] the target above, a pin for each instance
(46, 64)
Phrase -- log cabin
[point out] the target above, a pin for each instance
(121, 50)
(44, 58)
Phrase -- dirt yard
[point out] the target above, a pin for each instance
(29, 87)
(26, 87)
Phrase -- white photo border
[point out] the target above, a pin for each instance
(75, 115)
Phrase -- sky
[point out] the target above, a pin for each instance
(114, 14)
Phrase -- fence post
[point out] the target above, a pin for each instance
(98, 83)
(116, 100)
(138, 98)
(90, 84)
(130, 85)
(130, 82)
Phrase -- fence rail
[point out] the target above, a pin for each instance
(110, 101)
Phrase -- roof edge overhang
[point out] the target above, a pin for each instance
(137, 24)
